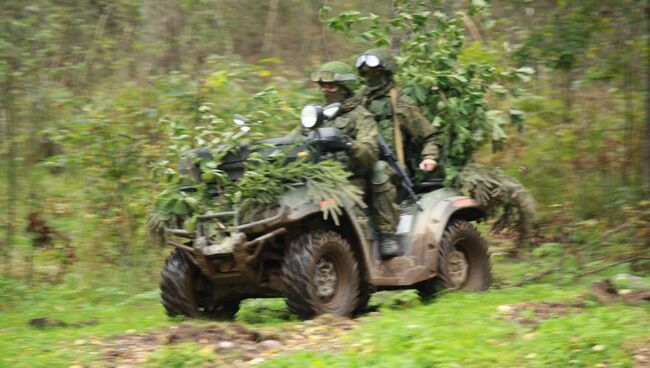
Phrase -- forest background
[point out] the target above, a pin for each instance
(90, 91)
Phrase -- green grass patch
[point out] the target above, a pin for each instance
(93, 313)
(456, 329)
(467, 330)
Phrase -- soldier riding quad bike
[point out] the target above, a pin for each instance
(289, 249)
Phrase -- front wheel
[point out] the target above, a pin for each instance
(186, 292)
(321, 275)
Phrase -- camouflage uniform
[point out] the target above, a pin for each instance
(417, 132)
(419, 135)
(355, 122)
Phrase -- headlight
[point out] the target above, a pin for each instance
(311, 116)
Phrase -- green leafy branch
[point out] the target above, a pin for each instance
(454, 96)
(264, 181)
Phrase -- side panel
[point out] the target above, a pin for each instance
(420, 259)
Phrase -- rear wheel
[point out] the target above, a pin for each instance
(321, 275)
(464, 261)
(185, 291)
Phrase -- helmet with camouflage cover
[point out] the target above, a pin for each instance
(381, 58)
(337, 72)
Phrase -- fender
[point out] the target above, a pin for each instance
(349, 225)
(445, 204)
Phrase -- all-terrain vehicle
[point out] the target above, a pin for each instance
(288, 249)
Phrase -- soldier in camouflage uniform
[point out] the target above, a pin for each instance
(337, 82)
(377, 66)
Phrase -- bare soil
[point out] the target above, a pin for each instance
(235, 344)
(531, 314)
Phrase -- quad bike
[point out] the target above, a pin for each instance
(288, 249)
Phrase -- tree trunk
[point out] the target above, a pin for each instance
(10, 122)
(473, 29)
(395, 36)
(647, 105)
(323, 32)
(4, 250)
(628, 143)
(269, 33)
(308, 19)
(39, 113)
(568, 96)
(174, 30)
(94, 44)
(228, 47)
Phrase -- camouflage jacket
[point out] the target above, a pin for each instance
(357, 123)
(419, 135)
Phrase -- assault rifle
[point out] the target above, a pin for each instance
(385, 153)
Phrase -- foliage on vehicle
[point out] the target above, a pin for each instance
(503, 196)
(264, 180)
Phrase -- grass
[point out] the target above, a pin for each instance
(457, 329)
(113, 309)
(466, 330)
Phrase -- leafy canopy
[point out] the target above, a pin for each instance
(452, 94)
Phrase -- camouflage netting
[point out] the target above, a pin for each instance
(504, 197)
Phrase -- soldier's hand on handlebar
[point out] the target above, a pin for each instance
(428, 165)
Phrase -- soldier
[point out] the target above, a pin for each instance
(337, 81)
(421, 151)
(377, 67)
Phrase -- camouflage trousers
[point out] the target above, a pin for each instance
(382, 196)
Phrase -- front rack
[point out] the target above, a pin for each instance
(236, 231)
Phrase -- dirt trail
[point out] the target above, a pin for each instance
(235, 344)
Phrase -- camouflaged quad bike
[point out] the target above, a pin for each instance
(288, 250)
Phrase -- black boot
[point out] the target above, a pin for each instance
(388, 246)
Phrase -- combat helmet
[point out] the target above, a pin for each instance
(382, 58)
(337, 72)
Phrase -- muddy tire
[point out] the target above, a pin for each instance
(464, 261)
(364, 298)
(321, 275)
(464, 258)
(427, 289)
(184, 291)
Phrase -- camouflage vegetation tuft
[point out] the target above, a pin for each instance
(504, 198)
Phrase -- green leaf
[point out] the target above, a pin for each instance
(180, 208)
(420, 93)
(190, 224)
(459, 78)
(498, 89)
(207, 176)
